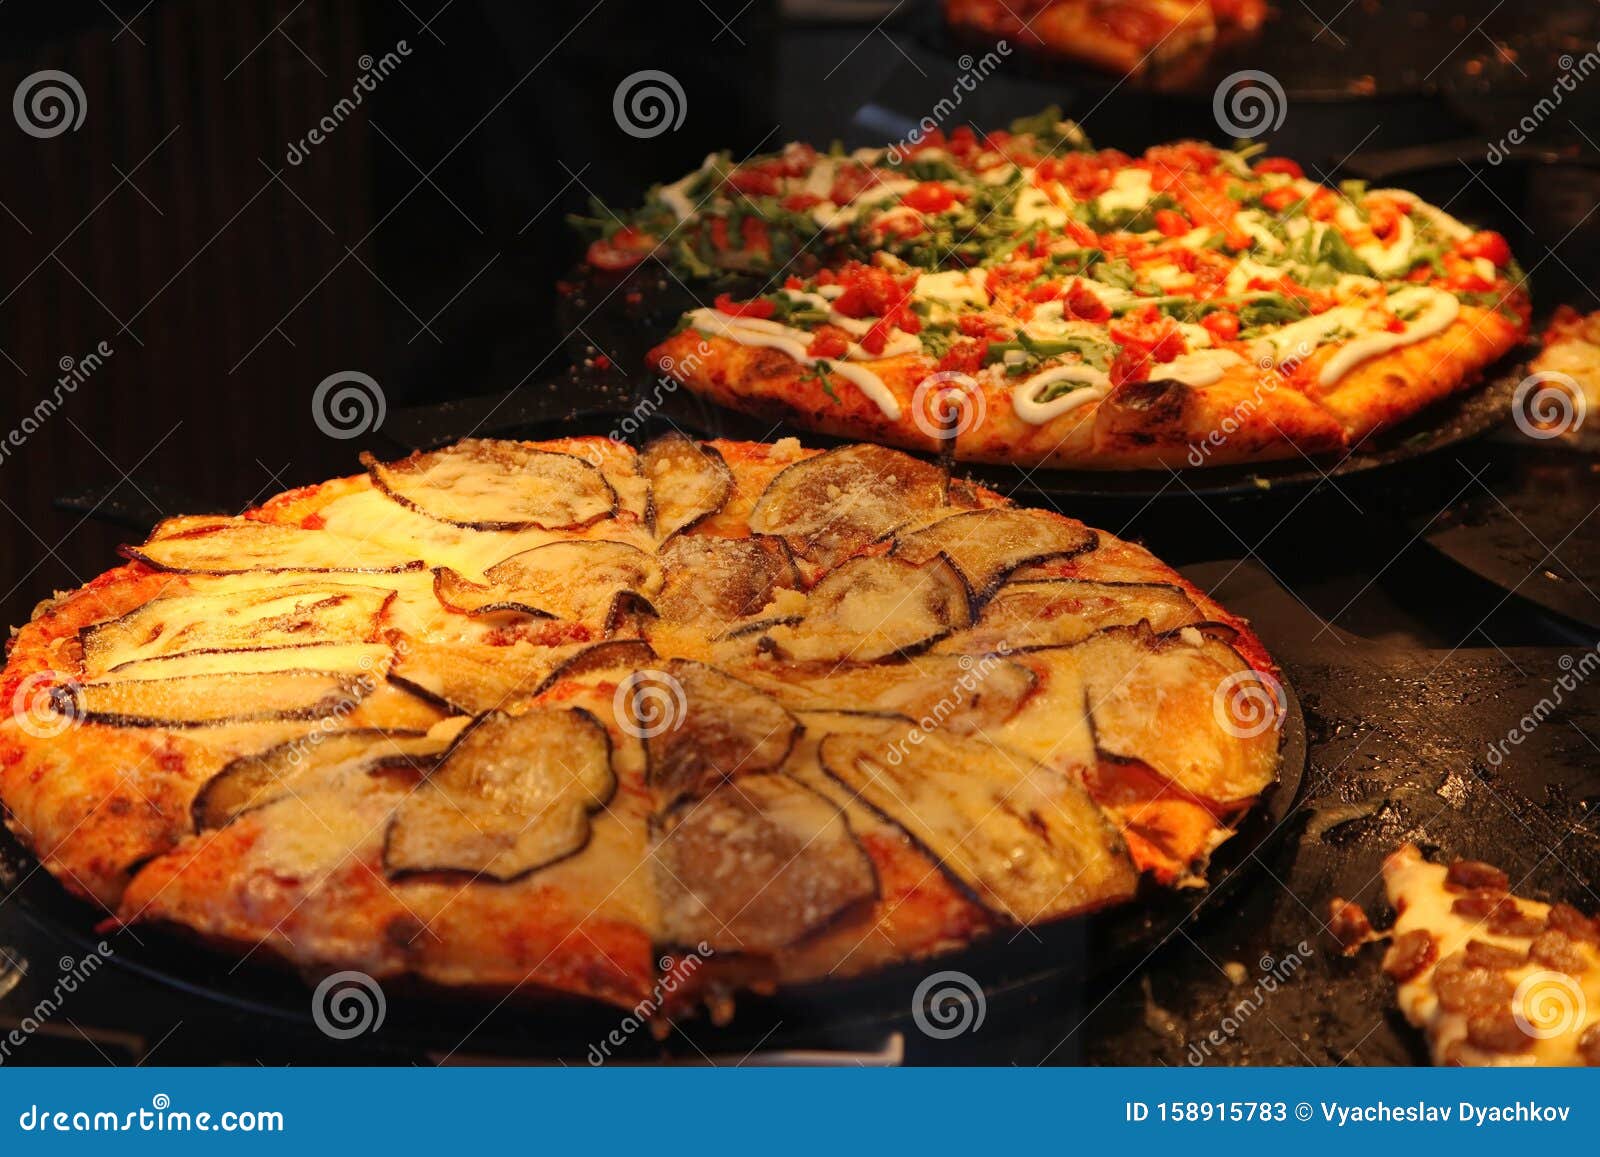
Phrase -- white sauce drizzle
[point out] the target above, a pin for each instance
(1095, 386)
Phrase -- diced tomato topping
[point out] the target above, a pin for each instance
(1487, 244)
(976, 325)
(1281, 198)
(1048, 291)
(932, 197)
(1221, 325)
(1185, 157)
(964, 357)
(1085, 175)
(1280, 165)
(1394, 324)
(622, 250)
(829, 341)
(755, 307)
(1383, 215)
(1129, 365)
(601, 362)
(792, 282)
(1081, 234)
(800, 202)
(849, 181)
(1172, 223)
(1082, 302)
(873, 292)
(756, 180)
(1147, 331)
(754, 230)
(717, 228)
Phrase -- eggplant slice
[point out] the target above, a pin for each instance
(932, 691)
(832, 505)
(701, 726)
(610, 655)
(689, 481)
(589, 581)
(1186, 704)
(203, 700)
(760, 863)
(987, 545)
(274, 616)
(252, 781)
(470, 679)
(876, 607)
(339, 658)
(1025, 842)
(243, 545)
(715, 580)
(512, 795)
(483, 484)
(1059, 612)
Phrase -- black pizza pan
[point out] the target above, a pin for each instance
(1008, 974)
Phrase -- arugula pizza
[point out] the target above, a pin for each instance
(1021, 297)
(532, 716)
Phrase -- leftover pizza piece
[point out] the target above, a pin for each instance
(1489, 977)
(1564, 401)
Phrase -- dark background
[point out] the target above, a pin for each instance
(421, 243)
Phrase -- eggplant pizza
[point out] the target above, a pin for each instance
(1020, 297)
(529, 715)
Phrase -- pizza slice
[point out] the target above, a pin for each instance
(1489, 977)
(1565, 378)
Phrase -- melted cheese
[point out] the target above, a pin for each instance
(1130, 191)
(1439, 310)
(1201, 368)
(1034, 206)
